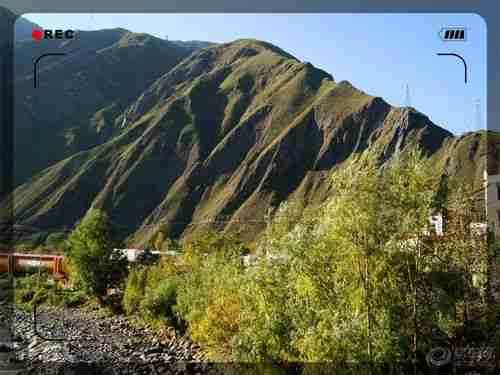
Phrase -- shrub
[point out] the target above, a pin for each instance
(74, 299)
(56, 241)
(147, 258)
(134, 290)
(209, 301)
(23, 296)
(35, 289)
(158, 303)
(97, 266)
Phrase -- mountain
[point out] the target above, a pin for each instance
(228, 132)
(466, 156)
(79, 94)
(23, 29)
(193, 44)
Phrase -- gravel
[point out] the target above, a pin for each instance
(81, 341)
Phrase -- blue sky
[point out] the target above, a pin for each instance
(379, 54)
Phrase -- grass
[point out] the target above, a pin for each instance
(31, 289)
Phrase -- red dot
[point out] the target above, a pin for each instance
(36, 34)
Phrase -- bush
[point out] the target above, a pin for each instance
(209, 301)
(34, 289)
(23, 296)
(158, 303)
(151, 291)
(147, 258)
(97, 267)
(134, 291)
(74, 299)
(56, 241)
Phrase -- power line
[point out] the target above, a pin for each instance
(21, 228)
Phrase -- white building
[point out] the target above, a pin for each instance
(436, 222)
(250, 260)
(131, 254)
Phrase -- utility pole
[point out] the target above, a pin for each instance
(407, 96)
(91, 22)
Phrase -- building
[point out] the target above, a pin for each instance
(436, 225)
(133, 254)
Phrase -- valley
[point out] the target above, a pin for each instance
(179, 205)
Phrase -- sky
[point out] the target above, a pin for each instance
(379, 54)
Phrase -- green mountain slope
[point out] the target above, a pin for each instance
(230, 131)
(465, 157)
(79, 95)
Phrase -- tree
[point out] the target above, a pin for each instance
(358, 275)
(465, 250)
(56, 241)
(92, 243)
(134, 290)
(147, 258)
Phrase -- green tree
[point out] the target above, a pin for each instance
(134, 290)
(56, 241)
(97, 266)
(347, 290)
(465, 251)
(147, 258)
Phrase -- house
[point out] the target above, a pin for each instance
(133, 254)
(436, 224)
(130, 254)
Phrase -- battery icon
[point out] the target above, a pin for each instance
(453, 34)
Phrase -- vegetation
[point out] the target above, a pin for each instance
(31, 289)
(57, 241)
(134, 290)
(359, 280)
(263, 104)
(86, 113)
(96, 266)
(354, 280)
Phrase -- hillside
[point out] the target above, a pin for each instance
(228, 132)
(465, 156)
(78, 95)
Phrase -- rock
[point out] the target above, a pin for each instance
(93, 339)
(152, 350)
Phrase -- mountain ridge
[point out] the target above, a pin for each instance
(78, 95)
(230, 131)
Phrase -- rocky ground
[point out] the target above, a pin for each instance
(83, 341)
